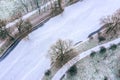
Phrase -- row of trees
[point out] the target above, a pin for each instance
(25, 25)
(23, 7)
(22, 26)
(3, 31)
(29, 3)
(33, 4)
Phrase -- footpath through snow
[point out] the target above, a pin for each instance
(28, 60)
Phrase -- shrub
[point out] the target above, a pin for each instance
(3, 34)
(91, 37)
(105, 78)
(113, 47)
(101, 38)
(102, 50)
(92, 54)
(47, 73)
(24, 26)
(73, 70)
(111, 24)
(2, 23)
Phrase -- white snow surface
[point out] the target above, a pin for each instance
(28, 61)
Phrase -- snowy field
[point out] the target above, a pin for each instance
(29, 60)
(98, 67)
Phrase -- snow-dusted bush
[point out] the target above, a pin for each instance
(112, 24)
(105, 78)
(102, 50)
(3, 30)
(47, 73)
(113, 47)
(72, 71)
(23, 26)
(57, 9)
(101, 38)
(92, 54)
(59, 49)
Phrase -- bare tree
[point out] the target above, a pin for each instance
(19, 24)
(112, 24)
(27, 25)
(23, 26)
(23, 2)
(3, 31)
(57, 9)
(59, 49)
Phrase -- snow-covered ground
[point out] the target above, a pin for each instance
(28, 60)
(96, 67)
(67, 66)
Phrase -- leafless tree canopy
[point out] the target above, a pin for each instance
(112, 23)
(60, 48)
(23, 25)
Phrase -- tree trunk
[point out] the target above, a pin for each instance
(59, 4)
(26, 7)
(37, 4)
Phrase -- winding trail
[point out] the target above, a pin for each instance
(71, 62)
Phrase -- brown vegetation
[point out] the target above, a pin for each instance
(60, 50)
(112, 25)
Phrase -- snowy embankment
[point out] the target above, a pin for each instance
(28, 60)
(69, 64)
